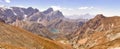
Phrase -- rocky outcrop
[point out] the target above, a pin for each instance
(49, 10)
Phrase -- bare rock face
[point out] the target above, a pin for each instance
(51, 14)
(37, 17)
(49, 10)
(54, 15)
(29, 11)
(8, 12)
(18, 12)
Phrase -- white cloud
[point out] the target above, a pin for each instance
(84, 8)
(69, 9)
(7, 1)
(56, 7)
(78, 11)
(60, 8)
(2, 5)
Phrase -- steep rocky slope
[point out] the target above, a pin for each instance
(13, 37)
(97, 31)
(109, 45)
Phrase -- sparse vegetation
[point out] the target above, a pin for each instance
(18, 37)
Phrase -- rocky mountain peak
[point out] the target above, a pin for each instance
(99, 16)
(49, 10)
(29, 11)
(58, 13)
(30, 8)
(54, 15)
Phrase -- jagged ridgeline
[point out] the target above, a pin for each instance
(46, 23)
(98, 33)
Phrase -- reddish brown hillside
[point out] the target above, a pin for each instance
(18, 37)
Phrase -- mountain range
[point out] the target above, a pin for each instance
(81, 16)
(33, 20)
(29, 28)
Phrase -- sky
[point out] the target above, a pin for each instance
(70, 7)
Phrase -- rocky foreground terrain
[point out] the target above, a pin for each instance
(29, 28)
(98, 33)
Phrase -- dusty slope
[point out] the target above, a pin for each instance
(7, 46)
(115, 44)
(21, 38)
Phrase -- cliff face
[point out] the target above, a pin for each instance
(96, 31)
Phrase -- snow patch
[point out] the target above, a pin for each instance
(25, 17)
(14, 13)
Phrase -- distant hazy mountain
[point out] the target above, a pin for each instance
(83, 16)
